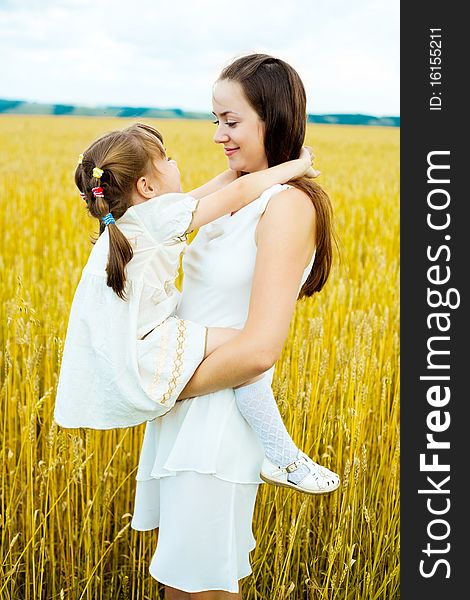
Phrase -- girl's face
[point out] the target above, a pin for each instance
(239, 128)
(164, 177)
(168, 176)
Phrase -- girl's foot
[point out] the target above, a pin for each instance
(318, 480)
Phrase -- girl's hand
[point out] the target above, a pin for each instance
(228, 176)
(307, 155)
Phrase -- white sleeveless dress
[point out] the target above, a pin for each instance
(199, 467)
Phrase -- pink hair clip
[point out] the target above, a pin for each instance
(98, 192)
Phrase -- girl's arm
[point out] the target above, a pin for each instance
(286, 239)
(216, 183)
(245, 189)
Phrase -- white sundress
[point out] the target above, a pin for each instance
(126, 361)
(199, 466)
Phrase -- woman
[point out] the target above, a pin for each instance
(199, 468)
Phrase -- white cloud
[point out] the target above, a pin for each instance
(155, 53)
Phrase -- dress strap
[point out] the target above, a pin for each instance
(266, 196)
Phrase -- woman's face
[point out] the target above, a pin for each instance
(239, 128)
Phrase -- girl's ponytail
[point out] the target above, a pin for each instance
(120, 250)
(120, 253)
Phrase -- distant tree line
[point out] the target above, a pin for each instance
(20, 107)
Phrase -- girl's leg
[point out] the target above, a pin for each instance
(256, 402)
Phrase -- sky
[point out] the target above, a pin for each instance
(168, 54)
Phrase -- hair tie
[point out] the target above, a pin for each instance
(83, 196)
(80, 159)
(97, 172)
(108, 219)
(97, 192)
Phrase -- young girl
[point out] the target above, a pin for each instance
(127, 356)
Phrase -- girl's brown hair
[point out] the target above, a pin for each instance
(123, 156)
(276, 92)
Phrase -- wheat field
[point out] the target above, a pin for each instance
(67, 495)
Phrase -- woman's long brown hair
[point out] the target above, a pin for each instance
(123, 156)
(276, 92)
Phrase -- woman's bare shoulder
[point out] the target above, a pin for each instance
(293, 205)
(290, 217)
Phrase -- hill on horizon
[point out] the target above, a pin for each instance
(23, 107)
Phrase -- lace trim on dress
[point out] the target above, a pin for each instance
(160, 360)
(178, 362)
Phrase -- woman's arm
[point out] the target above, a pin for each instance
(245, 189)
(286, 240)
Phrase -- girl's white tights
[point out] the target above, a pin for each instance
(258, 406)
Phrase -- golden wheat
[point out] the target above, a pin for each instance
(67, 496)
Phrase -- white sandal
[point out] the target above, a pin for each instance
(319, 480)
